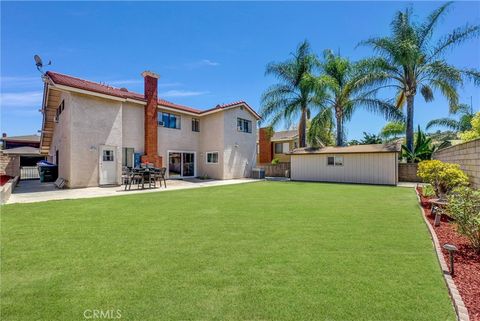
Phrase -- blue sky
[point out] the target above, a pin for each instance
(206, 53)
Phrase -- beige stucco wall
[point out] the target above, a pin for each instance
(211, 140)
(467, 155)
(239, 148)
(95, 122)
(367, 168)
(133, 133)
(61, 140)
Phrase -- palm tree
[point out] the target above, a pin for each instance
(349, 86)
(295, 95)
(410, 60)
(462, 124)
(392, 130)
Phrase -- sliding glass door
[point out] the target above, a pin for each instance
(181, 164)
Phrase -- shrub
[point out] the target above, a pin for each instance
(275, 161)
(464, 207)
(442, 176)
(428, 191)
(474, 132)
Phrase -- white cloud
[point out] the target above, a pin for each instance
(207, 62)
(202, 63)
(21, 99)
(181, 93)
(125, 82)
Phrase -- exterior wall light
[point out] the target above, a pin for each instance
(451, 250)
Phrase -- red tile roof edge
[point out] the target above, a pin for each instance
(75, 82)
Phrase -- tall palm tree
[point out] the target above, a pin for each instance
(348, 86)
(295, 94)
(410, 60)
(462, 124)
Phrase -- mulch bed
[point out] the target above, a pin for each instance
(4, 179)
(466, 260)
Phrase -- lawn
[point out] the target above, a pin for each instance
(259, 251)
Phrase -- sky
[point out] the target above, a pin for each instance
(207, 53)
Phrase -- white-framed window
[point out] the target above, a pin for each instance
(335, 161)
(195, 125)
(212, 157)
(278, 148)
(244, 125)
(169, 120)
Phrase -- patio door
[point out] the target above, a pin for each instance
(181, 164)
(108, 165)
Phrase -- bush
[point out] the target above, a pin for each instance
(442, 176)
(464, 207)
(428, 191)
(275, 161)
(474, 132)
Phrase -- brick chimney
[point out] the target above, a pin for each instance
(151, 125)
(265, 146)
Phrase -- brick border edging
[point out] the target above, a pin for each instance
(460, 309)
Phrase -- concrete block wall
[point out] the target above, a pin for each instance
(467, 155)
(407, 172)
(9, 165)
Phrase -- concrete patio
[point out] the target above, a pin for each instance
(30, 191)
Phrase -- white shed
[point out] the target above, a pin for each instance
(363, 164)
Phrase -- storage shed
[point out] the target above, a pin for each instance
(363, 164)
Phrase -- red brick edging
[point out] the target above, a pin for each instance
(460, 309)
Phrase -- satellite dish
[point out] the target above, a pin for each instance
(39, 63)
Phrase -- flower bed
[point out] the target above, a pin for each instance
(466, 260)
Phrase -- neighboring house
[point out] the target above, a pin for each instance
(276, 145)
(365, 164)
(18, 152)
(91, 130)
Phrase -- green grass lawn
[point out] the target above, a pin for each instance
(260, 251)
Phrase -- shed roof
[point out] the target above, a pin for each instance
(284, 135)
(354, 149)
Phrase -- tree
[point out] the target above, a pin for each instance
(295, 94)
(392, 130)
(368, 138)
(422, 150)
(462, 124)
(347, 86)
(320, 129)
(411, 62)
(474, 132)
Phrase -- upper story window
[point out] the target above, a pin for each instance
(282, 148)
(60, 108)
(195, 125)
(335, 161)
(169, 120)
(244, 125)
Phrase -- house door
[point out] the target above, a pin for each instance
(108, 165)
(181, 164)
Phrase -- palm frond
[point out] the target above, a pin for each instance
(381, 107)
(447, 90)
(427, 93)
(443, 122)
(456, 37)
(426, 29)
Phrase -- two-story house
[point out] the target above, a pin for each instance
(91, 130)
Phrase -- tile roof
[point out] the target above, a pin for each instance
(24, 138)
(70, 81)
(284, 135)
(373, 148)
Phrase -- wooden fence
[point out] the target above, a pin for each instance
(277, 170)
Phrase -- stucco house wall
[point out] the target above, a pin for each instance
(211, 140)
(95, 122)
(133, 134)
(239, 148)
(363, 168)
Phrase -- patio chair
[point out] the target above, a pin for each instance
(136, 177)
(160, 175)
(149, 176)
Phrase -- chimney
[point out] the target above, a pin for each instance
(151, 126)
(265, 145)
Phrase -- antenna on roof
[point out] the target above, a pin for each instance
(39, 63)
